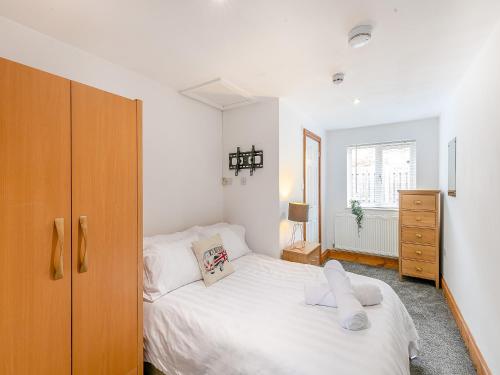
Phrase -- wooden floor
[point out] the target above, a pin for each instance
(367, 259)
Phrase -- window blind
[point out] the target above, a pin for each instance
(375, 172)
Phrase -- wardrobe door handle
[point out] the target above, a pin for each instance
(58, 259)
(83, 265)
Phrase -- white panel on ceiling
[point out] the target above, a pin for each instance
(220, 94)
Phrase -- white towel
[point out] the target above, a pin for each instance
(351, 313)
(367, 294)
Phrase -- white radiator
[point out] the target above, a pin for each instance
(378, 236)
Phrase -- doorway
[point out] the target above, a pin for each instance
(312, 185)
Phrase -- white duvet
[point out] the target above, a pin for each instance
(255, 322)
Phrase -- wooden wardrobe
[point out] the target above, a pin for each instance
(70, 227)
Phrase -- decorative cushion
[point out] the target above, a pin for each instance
(212, 259)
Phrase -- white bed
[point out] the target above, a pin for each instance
(255, 321)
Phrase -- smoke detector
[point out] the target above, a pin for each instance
(360, 36)
(338, 78)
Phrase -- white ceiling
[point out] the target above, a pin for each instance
(286, 48)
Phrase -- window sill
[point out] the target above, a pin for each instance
(395, 209)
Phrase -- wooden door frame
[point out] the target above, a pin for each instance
(317, 138)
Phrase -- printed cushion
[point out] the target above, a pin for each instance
(212, 259)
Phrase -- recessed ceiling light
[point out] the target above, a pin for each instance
(360, 36)
(356, 101)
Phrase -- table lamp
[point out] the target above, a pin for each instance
(299, 214)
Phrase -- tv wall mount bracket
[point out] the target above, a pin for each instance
(246, 160)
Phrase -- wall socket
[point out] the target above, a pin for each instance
(227, 181)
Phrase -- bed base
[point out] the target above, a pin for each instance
(149, 369)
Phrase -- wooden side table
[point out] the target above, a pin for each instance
(310, 254)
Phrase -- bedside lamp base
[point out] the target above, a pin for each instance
(297, 227)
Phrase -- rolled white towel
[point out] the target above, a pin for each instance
(367, 294)
(319, 295)
(335, 264)
(351, 313)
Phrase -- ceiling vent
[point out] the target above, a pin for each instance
(220, 94)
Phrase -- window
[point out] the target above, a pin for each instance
(376, 172)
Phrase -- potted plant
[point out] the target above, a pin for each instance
(358, 212)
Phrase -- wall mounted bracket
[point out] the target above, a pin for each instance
(246, 160)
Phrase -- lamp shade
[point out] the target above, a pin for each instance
(298, 212)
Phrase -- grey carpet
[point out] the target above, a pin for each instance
(442, 349)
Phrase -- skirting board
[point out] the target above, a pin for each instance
(475, 354)
(362, 258)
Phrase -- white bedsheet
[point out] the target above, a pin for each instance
(255, 322)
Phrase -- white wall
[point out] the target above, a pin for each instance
(262, 204)
(471, 221)
(182, 143)
(181, 138)
(291, 184)
(256, 204)
(425, 132)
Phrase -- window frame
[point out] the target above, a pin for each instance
(379, 146)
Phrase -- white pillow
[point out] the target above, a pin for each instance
(147, 242)
(201, 228)
(169, 266)
(233, 237)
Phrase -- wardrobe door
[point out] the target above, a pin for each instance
(35, 194)
(105, 231)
